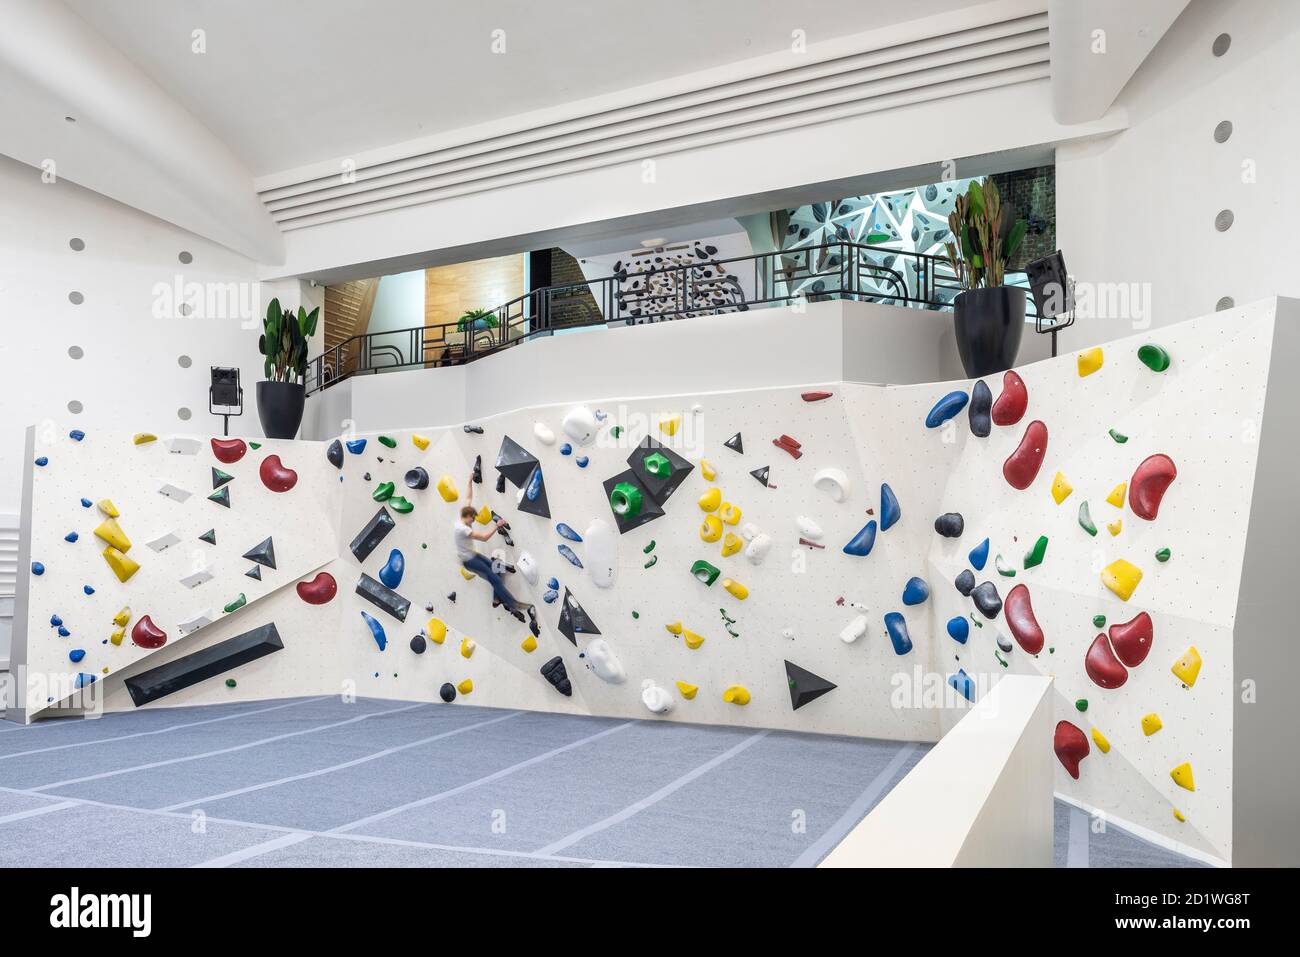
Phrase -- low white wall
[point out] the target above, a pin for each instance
(981, 797)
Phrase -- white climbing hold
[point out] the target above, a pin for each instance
(758, 548)
(184, 445)
(197, 578)
(601, 659)
(173, 492)
(854, 630)
(655, 698)
(195, 622)
(787, 634)
(600, 548)
(526, 565)
(580, 425)
(808, 528)
(543, 433)
(833, 481)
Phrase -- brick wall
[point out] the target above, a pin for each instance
(1032, 193)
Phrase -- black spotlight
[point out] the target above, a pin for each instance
(1053, 294)
(225, 395)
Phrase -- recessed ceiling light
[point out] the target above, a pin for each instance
(651, 243)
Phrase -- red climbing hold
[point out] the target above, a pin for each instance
(1132, 639)
(1102, 665)
(277, 476)
(146, 634)
(1024, 626)
(1071, 747)
(1021, 467)
(815, 396)
(1011, 404)
(228, 450)
(789, 445)
(320, 590)
(1147, 487)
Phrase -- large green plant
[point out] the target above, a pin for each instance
(284, 341)
(986, 235)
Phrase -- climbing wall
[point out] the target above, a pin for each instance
(836, 558)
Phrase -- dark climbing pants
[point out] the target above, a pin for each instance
(483, 567)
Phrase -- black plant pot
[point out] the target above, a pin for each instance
(989, 323)
(279, 406)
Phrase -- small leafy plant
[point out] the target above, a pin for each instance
(986, 235)
(284, 342)
(473, 318)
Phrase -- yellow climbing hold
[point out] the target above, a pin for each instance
(1182, 776)
(467, 647)
(1151, 723)
(1178, 815)
(707, 470)
(466, 574)
(711, 499)
(111, 534)
(466, 686)
(1115, 526)
(122, 617)
(693, 641)
(117, 635)
(711, 528)
(447, 489)
(1122, 578)
(484, 515)
(420, 441)
(668, 426)
(675, 628)
(143, 438)
(1061, 489)
(687, 691)
(1116, 496)
(737, 590)
(123, 566)
(108, 508)
(736, 694)
(436, 630)
(1100, 741)
(730, 513)
(1188, 667)
(731, 544)
(1090, 361)
(529, 644)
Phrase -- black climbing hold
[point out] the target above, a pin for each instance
(208, 663)
(950, 524)
(659, 487)
(335, 454)
(538, 503)
(650, 508)
(515, 462)
(761, 475)
(478, 470)
(369, 537)
(417, 478)
(574, 619)
(377, 593)
(501, 482)
(554, 672)
(735, 443)
(474, 429)
(366, 476)
(210, 536)
(254, 572)
(965, 582)
(418, 644)
(263, 553)
(804, 685)
(447, 692)
(221, 496)
(987, 600)
(220, 478)
(451, 597)
(980, 410)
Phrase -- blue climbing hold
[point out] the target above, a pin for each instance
(550, 596)
(896, 625)
(63, 632)
(86, 503)
(945, 409)
(567, 532)
(89, 590)
(356, 446)
(84, 679)
(570, 554)
(76, 435)
(76, 654)
(393, 570)
(553, 583)
(566, 449)
(582, 461)
(71, 537)
(979, 555)
(915, 591)
(38, 568)
(958, 629)
(861, 543)
(889, 510)
(376, 628)
(55, 621)
(43, 461)
(535, 484)
(963, 684)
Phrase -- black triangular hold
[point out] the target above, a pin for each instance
(263, 553)
(380, 524)
(515, 462)
(221, 496)
(538, 503)
(220, 478)
(660, 487)
(210, 536)
(254, 572)
(574, 619)
(804, 685)
(736, 444)
(761, 475)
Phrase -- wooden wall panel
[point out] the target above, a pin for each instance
(451, 291)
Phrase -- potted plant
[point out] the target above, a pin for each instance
(281, 396)
(477, 319)
(988, 317)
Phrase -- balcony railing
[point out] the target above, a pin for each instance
(841, 270)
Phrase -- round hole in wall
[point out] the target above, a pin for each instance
(76, 298)
(1227, 302)
(1223, 131)
(184, 361)
(1223, 222)
(75, 407)
(76, 352)
(183, 414)
(186, 257)
(1221, 44)
(77, 245)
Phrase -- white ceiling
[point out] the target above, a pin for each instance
(289, 82)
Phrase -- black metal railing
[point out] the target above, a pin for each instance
(842, 270)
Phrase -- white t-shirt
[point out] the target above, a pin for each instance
(461, 535)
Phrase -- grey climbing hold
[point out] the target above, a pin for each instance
(263, 553)
(950, 524)
(987, 600)
(965, 582)
(981, 406)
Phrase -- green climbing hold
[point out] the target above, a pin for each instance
(657, 464)
(1119, 437)
(383, 492)
(733, 634)
(636, 614)
(230, 682)
(649, 548)
(1081, 704)
(254, 445)
(239, 602)
(651, 563)
(1154, 357)
(616, 431)
(1002, 661)
(388, 440)
(1085, 519)
(705, 572)
(1162, 555)
(1005, 570)
(976, 621)
(625, 499)
(1035, 555)
(400, 504)
(1098, 621)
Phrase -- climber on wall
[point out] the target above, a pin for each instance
(463, 537)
